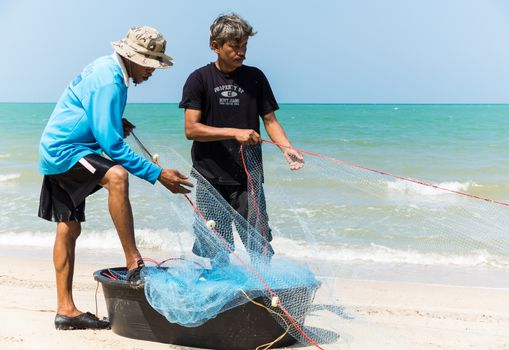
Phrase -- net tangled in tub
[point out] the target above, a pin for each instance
(189, 292)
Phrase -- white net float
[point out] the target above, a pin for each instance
(211, 224)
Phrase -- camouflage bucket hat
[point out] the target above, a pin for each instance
(144, 46)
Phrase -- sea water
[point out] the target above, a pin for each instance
(460, 147)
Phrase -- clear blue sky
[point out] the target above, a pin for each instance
(323, 51)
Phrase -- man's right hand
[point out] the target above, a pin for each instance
(247, 136)
(127, 126)
(174, 181)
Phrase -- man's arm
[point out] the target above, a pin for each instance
(278, 136)
(104, 114)
(173, 180)
(200, 132)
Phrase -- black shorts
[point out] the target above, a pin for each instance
(63, 195)
(237, 197)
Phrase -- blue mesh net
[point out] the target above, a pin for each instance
(190, 295)
(238, 262)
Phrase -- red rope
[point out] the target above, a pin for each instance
(152, 261)
(256, 274)
(253, 199)
(388, 174)
(110, 275)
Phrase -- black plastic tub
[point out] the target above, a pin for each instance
(244, 327)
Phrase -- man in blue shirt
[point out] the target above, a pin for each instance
(87, 122)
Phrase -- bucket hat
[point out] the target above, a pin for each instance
(144, 46)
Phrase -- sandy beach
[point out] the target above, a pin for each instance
(355, 152)
(381, 315)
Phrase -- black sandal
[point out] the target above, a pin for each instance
(86, 320)
(133, 276)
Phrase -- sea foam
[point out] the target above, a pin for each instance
(373, 253)
(174, 243)
(419, 189)
(9, 177)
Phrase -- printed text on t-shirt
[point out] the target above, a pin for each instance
(228, 93)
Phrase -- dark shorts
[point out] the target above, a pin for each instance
(238, 198)
(63, 195)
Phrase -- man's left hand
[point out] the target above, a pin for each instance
(128, 127)
(294, 158)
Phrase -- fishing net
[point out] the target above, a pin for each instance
(189, 293)
(306, 232)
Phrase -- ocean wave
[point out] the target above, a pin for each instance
(164, 240)
(410, 188)
(7, 155)
(28, 239)
(383, 255)
(9, 177)
(176, 243)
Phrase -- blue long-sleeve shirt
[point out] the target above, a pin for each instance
(88, 119)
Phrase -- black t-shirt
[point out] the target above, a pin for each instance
(226, 100)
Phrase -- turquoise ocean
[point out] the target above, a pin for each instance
(464, 148)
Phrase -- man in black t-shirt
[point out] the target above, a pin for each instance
(223, 103)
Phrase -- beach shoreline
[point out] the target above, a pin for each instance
(376, 314)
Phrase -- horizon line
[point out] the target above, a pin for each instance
(312, 103)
